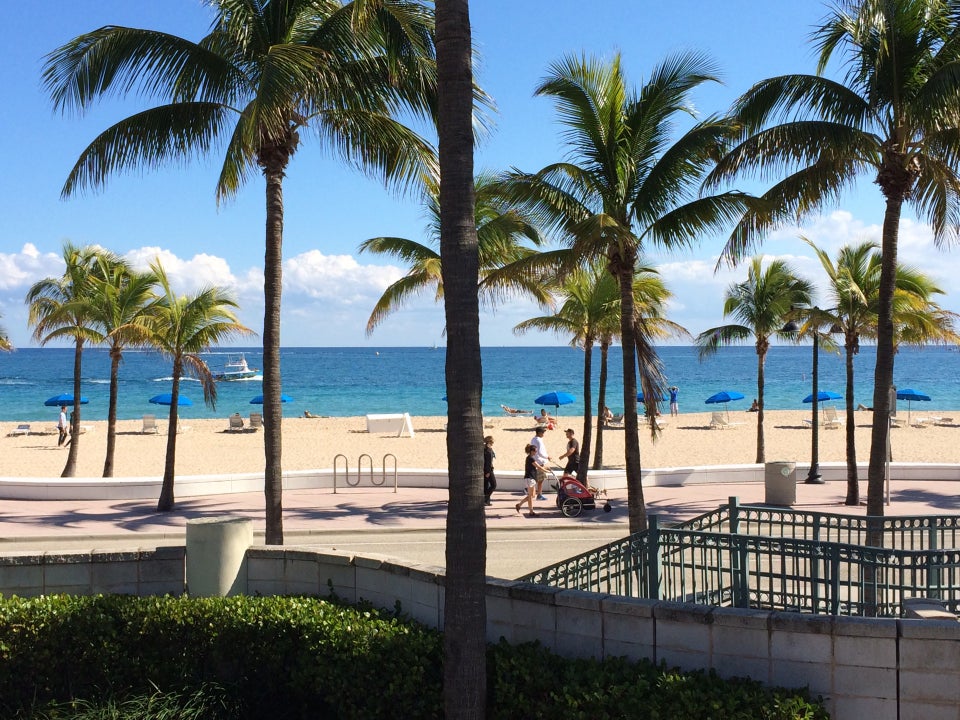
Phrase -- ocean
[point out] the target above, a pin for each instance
(361, 380)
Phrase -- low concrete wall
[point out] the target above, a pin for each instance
(881, 669)
(143, 488)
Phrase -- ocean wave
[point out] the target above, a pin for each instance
(170, 379)
(94, 381)
(16, 381)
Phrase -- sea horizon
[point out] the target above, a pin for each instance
(352, 381)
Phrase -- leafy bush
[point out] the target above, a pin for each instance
(294, 657)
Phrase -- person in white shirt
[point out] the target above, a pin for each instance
(62, 425)
(542, 458)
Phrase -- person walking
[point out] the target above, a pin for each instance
(62, 426)
(543, 457)
(674, 407)
(572, 454)
(489, 479)
(531, 471)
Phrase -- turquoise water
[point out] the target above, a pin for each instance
(356, 381)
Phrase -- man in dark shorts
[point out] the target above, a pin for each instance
(572, 454)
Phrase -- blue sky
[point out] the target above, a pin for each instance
(329, 289)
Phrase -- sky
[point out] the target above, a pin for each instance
(329, 287)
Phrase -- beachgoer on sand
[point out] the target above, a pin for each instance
(674, 407)
(755, 407)
(62, 426)
(544, 420)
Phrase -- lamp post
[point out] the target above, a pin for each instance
(813, 477)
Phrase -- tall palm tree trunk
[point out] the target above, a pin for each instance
(883, 374)
(637, 510)
(601, 404)
(272, 411)
(112, 414)
(70, 469)
(584, 467)
(166, 502)
(761, 444)
(465, 617)
(853, 482)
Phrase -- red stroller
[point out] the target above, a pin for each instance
(573, 497)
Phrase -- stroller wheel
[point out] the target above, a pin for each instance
(571, 507)
(607, 508)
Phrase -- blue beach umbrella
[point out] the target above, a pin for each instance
(724, 396)
(63, 399)
(167, 399)
(823, 396)
(554, 398)
(258, 400)
(910, 395)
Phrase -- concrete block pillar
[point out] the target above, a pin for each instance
(216, 548)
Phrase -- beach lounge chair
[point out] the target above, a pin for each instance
(896, 422)
(256, 421)
(937, 420)
(831, 420)
(21, 429)
(615, 421)
(150, 424)
(236, 423)
(719, 422)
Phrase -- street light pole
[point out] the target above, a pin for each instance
(814, 477)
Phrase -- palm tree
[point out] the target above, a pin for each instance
(896, 116)
(624, 186)
(119, 310)
(465, 616)
(762, 304)
(590, 298)
(279, 68)
(60, 309)
(501, 231)
(182, 327)
(854, 289)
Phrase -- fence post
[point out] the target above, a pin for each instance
(653, 558)
(933, 566)
(733, 509)
(738, 571)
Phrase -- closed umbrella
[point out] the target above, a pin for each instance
(724, 396)
(554, 398)
(910, 395)
(167, 399)
(63, 399)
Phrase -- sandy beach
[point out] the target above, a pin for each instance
(687, 440)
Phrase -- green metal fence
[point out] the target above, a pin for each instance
(777, 559)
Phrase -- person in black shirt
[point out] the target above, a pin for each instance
(489, 479)
(572, 454)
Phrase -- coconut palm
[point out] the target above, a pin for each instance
(59, 309)
(763, 304)
(501, 232)
(854, 288)
(182, 327)
(120, 303)
(278, 69)
(626, 185)
(894, 117)
(465, 616)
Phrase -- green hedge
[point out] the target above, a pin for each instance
(294, 657)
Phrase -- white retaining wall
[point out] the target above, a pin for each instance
(882, 669)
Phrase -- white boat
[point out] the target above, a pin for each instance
(236, 368)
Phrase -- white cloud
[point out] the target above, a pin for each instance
(18, 271)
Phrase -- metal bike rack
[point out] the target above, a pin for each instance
(373, 478)
(346, 470)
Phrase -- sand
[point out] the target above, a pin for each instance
(207, 448)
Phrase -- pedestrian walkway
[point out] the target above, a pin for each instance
(363, 509)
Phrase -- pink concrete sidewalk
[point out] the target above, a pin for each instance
(320, 511)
